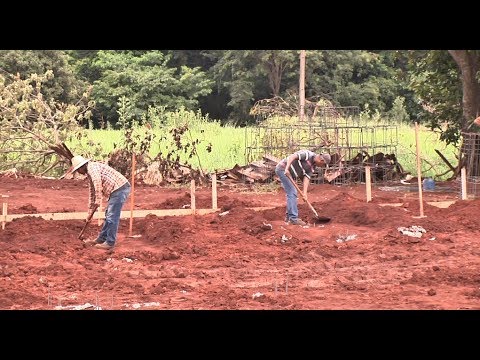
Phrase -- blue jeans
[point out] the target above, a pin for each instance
(292, 202)
(112, 214)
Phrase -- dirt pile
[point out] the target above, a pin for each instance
(238, 258)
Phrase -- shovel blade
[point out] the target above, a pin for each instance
(322, 219)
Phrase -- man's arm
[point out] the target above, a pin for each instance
(306, 182)
(290, 159)
(95, 188)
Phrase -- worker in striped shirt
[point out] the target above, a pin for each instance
(300, 164)
(108, 182)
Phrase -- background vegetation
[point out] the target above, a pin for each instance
(213, 91)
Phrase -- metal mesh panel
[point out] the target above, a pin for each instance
(470, 159)
(338, 131)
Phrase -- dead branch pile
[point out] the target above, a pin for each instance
(162, 172)
(278, 106)
(383, 167)
(121, 160)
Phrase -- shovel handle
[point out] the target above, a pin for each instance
(303, 196)
(87, 222)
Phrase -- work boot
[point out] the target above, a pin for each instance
(297, 222)
(104, 246)
(93, 241)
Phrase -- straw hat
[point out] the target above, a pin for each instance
(77, 162)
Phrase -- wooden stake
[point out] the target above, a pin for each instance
(214, 191)
(192, 197)
(301, 91)
(100, 209)
(419, 171)
(368, 183)
(4, 211)
(463, 174)
(132, 195)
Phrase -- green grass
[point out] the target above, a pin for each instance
(431, 163)
(228, 147)
(228, 143)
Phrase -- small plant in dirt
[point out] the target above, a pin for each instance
(170, 166)
(134, 141)
(173, 164)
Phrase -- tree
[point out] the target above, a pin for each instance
(145, 78)
(63, 86)
(434, 78)
(249, 75)
(352, 78)
(468, 62)
(398, 114)
(32, 128)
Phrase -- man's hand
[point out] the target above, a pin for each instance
(477, 121)
(91, 212)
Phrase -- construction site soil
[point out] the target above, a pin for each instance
(369, 256)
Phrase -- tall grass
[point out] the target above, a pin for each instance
(227, 143)
(432, 164)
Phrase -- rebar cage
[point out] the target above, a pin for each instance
(351, 142)
(470, 159)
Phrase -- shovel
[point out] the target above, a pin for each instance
(319, 219)
(87, 222)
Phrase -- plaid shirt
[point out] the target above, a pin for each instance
(103, 180)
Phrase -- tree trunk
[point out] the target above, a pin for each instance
(275, 68)
(468, 62)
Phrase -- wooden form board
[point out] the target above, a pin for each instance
(124, 214)
(439, 204)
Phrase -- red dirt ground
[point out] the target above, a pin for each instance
(237, 261)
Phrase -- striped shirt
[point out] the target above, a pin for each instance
(103, 180)
(304, 166)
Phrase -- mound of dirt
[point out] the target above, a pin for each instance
(238, 258)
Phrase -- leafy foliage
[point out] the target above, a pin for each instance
(249, 75)
(398, 113)
(32, 127)
(63, 86)
(145, 79)
(435, 80)
(346, 78)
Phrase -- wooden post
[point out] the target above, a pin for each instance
(214, 191)
(4, 211)
(368, 183)
(463, 174)
(419, 170)
(301, 91)
(100, 209)
(132, 195)
(192, 197)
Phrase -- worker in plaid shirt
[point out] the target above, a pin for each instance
(108, 182)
